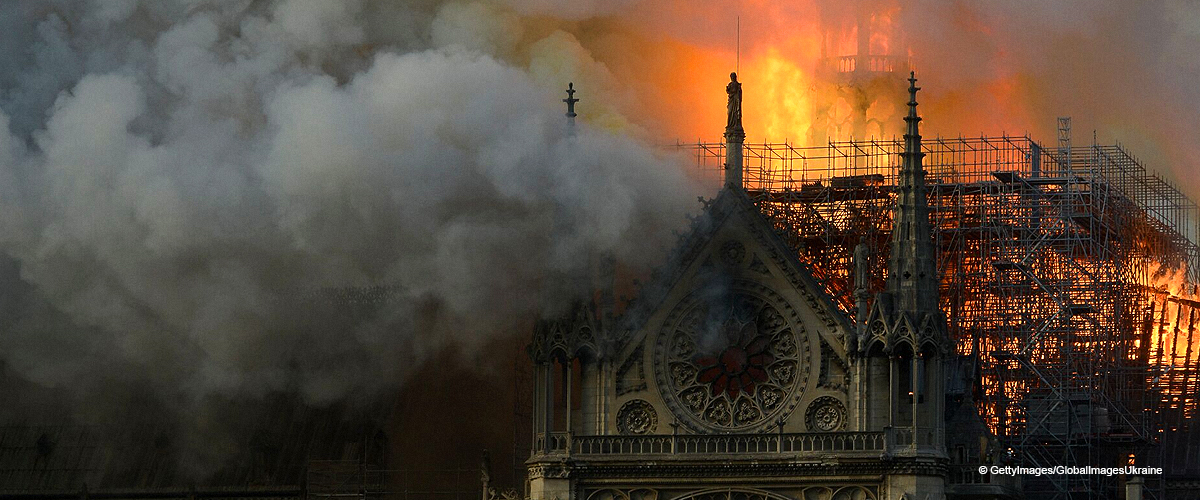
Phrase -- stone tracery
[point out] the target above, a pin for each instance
(732, 363)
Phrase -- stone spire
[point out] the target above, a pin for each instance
(912, 271)
(571, 100)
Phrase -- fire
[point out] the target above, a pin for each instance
(1172, 298)
(1174, 342)
(1166, 343)
(808, 75)
(1171, 280)
(837, 75)
(781, 100)
(882, 28)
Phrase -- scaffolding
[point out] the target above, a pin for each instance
(1067, 278)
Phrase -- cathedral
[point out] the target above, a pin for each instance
(733, 376)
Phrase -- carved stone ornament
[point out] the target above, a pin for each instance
(825, 414)
(558, 470)
(732, 360)
(637, 417)
(733, 252)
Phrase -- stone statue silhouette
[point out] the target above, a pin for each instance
(862, 267)
(734, 109)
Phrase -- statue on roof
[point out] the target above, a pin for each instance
(734, 109)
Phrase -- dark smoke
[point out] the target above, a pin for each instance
(186, 185)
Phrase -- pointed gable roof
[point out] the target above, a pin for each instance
(731, 205)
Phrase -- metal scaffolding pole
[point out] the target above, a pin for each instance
(1068, 275)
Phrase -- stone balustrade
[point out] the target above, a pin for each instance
(868, 64)
(868, 443)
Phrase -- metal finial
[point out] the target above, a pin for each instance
(571, 100)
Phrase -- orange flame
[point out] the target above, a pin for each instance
(783, 106)
(807, 78)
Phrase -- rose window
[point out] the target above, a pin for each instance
(731, 363)
(741, 365)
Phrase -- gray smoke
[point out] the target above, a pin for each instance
(175, 176)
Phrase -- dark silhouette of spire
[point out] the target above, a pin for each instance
(912, 271)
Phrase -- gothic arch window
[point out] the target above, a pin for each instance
(903, 357)
(853, 493)
(919, 365)
(732, 494)
(608, 494)
(617, 494)
(809, 493)
(576, 383)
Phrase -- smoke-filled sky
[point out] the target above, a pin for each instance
(174, 174)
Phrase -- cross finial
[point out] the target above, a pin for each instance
(571, 100)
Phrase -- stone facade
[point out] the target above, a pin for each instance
(733, 375)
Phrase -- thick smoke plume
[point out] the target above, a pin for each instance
(181, 179)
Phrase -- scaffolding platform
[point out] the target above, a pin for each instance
(1068, 277)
